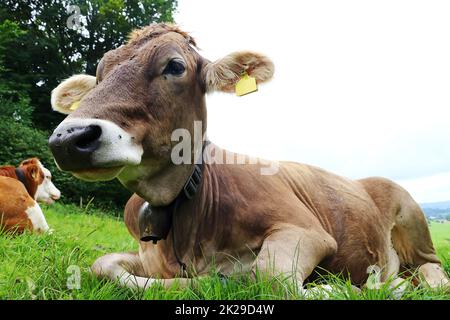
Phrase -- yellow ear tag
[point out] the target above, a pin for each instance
(246, 85)
(75, 105)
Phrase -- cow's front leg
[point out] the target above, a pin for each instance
(127, 269)
(294, 252)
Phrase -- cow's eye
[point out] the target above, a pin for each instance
(175, 67)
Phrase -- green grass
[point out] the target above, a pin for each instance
(36, 266)
(441, 240)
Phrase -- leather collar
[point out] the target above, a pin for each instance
(155, 222)
(21, 176)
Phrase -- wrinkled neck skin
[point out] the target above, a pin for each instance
(158, 188)
(185, 236)
(201, 227)
(188, 232)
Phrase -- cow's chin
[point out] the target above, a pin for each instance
(46, 201)
(98, 174)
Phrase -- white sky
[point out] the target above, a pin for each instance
(361, 88)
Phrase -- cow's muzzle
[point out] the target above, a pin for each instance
(93, 148)
(73, 146)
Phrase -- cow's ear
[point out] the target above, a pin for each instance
(67, 96)
(223, 74)
(34, 172)
(30, 161)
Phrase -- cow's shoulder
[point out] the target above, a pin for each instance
(14, 196)
(10, 187)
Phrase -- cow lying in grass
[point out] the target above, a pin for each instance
(20, 188)
(221, 215)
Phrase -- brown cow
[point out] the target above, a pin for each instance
(121, 125)
(20, 188)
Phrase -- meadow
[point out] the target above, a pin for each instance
(56, 266)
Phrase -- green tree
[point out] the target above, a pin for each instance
(37, 50)
(14, 99)
(47, 50)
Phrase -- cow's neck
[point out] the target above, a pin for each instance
(8, 171)
(158, 186)
(19, 174)
(161, 189)
(155, 222)
(179, 246)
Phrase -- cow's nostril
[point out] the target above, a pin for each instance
(89, 139)
(73, 146)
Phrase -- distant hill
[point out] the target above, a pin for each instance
(437, 210)
(436, 205)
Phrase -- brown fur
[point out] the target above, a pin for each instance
(291, 222)
(16, 197)
(351, 216)
(32, 172)
(144, 34)
(14, 200)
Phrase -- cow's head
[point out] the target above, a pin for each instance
(120, 122)
(40, 180)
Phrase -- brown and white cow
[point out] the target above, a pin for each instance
(20, 188)
(290, 223)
